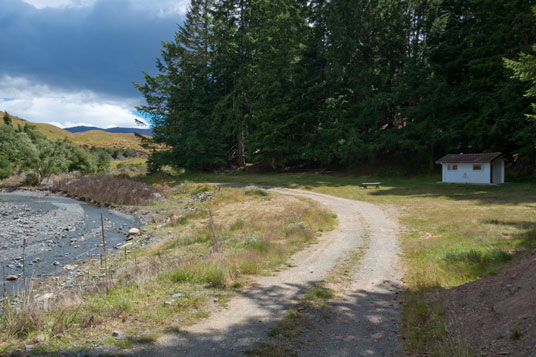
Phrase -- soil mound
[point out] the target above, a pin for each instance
(497, 314)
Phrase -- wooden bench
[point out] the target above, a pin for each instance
(367, 184)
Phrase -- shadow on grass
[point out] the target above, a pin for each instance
(510, 193)
(362, 322)
(418, 187)
(526, 235)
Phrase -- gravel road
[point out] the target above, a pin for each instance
(363, 321)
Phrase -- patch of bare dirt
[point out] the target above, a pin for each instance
(497, 314)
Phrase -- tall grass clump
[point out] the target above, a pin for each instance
(22, 320)
(255, 190)
(217, 274)
(108, 189)
(488, 255)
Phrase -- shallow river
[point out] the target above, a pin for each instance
(59, 231)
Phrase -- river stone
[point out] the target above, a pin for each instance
(69, 267)
(12, 277)
(134, 232)
(45, 297)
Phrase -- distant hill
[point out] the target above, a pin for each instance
(96, 138)
(81, 129)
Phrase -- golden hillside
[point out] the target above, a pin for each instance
(90, 138)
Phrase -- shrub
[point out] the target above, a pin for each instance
(107, 190)
(254, 190)
(6, 168)
(31, 179)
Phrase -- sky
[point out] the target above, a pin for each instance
(72, 62)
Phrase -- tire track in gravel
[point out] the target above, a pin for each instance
(364, 320)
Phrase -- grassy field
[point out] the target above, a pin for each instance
(103, 139)
(90, 138)
(130, 167)
(452, 234)
(210, 241)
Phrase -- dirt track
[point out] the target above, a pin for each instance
(364, 320)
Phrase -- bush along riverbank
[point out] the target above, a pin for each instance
(208, 240)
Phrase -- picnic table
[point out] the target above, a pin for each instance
(367, 184)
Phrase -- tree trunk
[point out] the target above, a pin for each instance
(241, 154)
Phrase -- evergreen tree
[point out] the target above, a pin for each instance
(7, 119)
(341, 82)
(232, 70)
(525, 70)
(366, 47)
(182, 97)
(103, 163)
(279, 125)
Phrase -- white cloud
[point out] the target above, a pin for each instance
(42, 4)
(42, 104)
(174, 8)
(161, 8)
(69, 124)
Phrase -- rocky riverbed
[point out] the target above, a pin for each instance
(60, 232)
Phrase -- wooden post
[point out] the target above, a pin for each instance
(24, 266)
(4, 280)
(215, 243)
(104, 250)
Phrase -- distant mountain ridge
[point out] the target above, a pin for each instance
(117, 130)
(90, 138)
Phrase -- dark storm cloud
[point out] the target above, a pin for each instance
(101, 48)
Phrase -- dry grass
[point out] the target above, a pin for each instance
(90, 138)
(108, 189)
(203, 262)
(243, 240)
(50, 131)
(131, 167)
(103, 139)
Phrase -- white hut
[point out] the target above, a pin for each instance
(486, 168)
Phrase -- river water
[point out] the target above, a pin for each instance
(59, 232)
